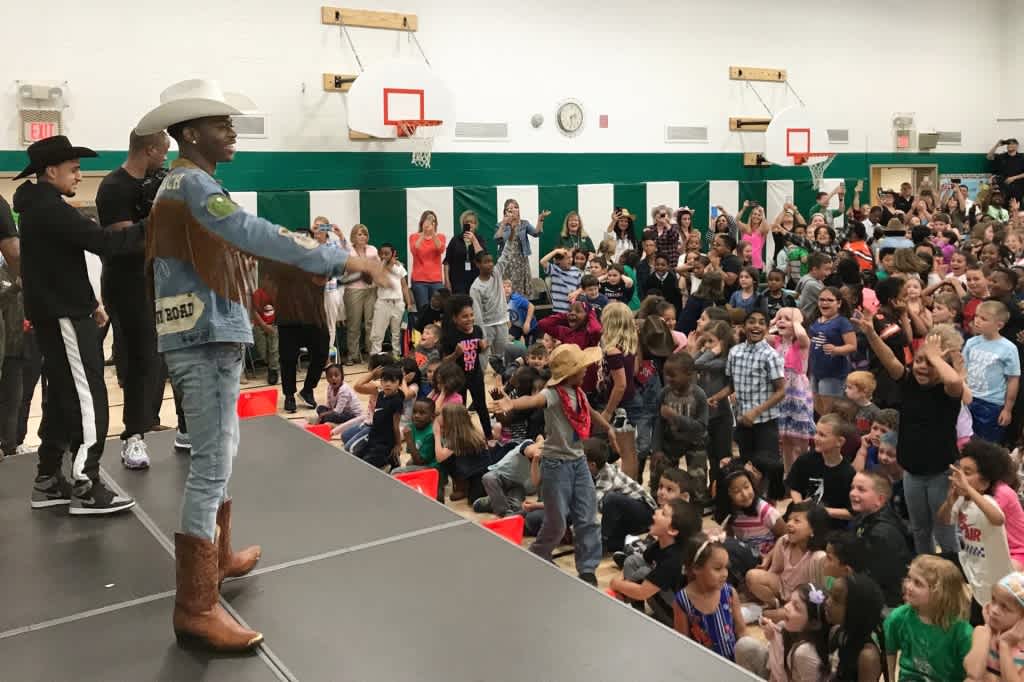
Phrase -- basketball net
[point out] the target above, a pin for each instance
(817, 164)
(422, 134)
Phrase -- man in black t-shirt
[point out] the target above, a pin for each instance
(729, 263)
(1009, 167)
(124, 197)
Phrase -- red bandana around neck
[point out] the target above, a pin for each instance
(579, 418)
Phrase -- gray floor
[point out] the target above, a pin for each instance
(361, 579)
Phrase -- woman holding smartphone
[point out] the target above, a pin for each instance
(514, 233)
(425, 250)
(459, 260)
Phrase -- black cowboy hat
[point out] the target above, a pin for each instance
(50, 152)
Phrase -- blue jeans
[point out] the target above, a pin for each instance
(422, 291)
(568, 488)
(642, 413)
(207, 377)
(924, 496)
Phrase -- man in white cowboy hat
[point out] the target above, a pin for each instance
(566, 483)
(199, 243)
(60, 303)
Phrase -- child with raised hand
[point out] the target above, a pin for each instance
(708, 610)
(866, 458)
(367, 384)
(854, 610)
(796, 558)
(929, 395)
(672, 526)
(342, 402)
(997, 647)
(797, 649)
(796, 411)
(461, 449)
(743, 514)
(980, 524)
(566, 484)
(681, 427)
(383, 442)
(929, 631)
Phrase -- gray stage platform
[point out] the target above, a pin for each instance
(361, 579)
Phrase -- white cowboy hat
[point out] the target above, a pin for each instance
(188, 100)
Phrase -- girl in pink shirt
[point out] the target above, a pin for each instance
(449, 379)
(796, 558)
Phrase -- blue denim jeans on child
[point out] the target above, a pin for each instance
(642, 412)
(924, 495)
(207, 377)
(567, 489)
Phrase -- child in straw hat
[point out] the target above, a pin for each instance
(566, 483)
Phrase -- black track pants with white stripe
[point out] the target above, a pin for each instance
(75, 414)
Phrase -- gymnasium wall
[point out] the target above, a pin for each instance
(645, 65)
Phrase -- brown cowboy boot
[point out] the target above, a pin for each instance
(198, 615)
(232, 564)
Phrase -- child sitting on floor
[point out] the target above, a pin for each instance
(624, 504)
(708, 609)
(508, 482)
(342, 402)
(743, 514)
(672, 526)
(367, 384)
(383, 442)
(671, 486)
(521, 424)
(419, 443)
(887, 466)
(867, 456)
(461, 449)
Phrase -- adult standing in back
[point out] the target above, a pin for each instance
(360, 295)
(119, 204)
(514, 233)
(426, 248)
(460, 257)
(1009, 166)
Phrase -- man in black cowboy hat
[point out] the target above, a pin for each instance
(1008, 167)
(60, 303)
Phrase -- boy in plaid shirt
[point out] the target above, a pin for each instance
(625, 505)
(756, 376)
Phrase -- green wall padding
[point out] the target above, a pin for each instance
(634, 197)
(383, 212)
(290, 209)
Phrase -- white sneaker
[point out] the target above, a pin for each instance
(134, 454)
(24, 450)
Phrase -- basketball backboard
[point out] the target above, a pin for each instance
(794, 135)
(395, 91)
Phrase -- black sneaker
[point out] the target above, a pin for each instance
(289, 404)
(93, 498)
(482, 505)
(50, 491)
(589, 578)
(619, 558)
(308, 398)
(272, 377)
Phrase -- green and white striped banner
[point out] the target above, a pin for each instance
(393, 214)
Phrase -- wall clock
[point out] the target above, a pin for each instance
(569, 118)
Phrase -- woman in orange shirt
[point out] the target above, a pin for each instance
(426, 248)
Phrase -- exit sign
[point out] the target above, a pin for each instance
(39, 130)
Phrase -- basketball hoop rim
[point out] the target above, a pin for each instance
(407, 127)
(802, 159)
